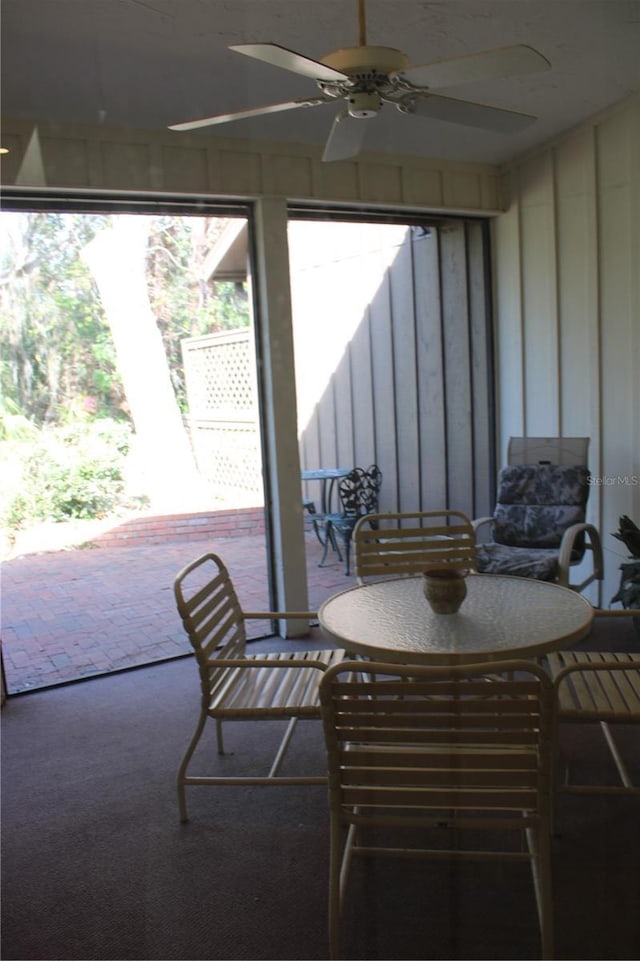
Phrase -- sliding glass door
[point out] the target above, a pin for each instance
(393, 355)
(131, 437)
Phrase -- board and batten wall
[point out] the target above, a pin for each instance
(567, 302)
(122, 159)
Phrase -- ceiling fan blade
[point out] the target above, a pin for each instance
(253, 112)
(279, 56)
(488, 65)
(470, 114)
(346, 137)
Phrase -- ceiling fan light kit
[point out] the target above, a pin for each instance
(363, 105)
(367, 77)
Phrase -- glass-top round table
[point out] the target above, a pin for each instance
(501, 618)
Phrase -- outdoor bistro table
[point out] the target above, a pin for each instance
(501, 618)
(328, 476)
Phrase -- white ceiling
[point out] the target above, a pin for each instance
(149, 63)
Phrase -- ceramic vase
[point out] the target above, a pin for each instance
(444, 589)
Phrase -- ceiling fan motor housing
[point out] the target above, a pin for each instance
(363, 60)
(368, 70)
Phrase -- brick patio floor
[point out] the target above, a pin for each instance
(71, 614)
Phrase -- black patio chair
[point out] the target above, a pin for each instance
(358, 492)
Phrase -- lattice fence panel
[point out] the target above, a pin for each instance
(220, 375)
(223, 414)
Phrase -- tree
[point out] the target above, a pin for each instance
(184, 301)
(57, 357)
(55, 343)
(74, 344)
(116, 258)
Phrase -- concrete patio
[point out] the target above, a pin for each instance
(76, 613)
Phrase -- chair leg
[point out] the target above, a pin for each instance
(347, 551)
(538, 842)
(330, 538)
(327, 536)
(316, 527)
(219, 738)
(623, 773)
(347, 857)
(182, 770)
(282, 750)
(335, 845)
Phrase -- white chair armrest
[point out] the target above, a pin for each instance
(593, 544)
(481, 522)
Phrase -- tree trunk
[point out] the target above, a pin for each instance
(116, 258)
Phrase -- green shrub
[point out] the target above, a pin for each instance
(73, 472)
(16, 428)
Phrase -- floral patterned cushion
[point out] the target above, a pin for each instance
(537, 503)
(517, 561)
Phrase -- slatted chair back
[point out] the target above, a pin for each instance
(567, 451)
(410, 543)
(211, 614)
(420, 747)
(235, 686)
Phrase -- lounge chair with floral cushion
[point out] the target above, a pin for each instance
(539, 527)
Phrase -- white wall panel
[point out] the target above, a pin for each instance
(288, 176)
(127, 166)
(382, 372)
(422, 187)
(185, 169)
(64, 158)
(403, 325)
(10, 162)
(618, 318)
(382, 181)
(240, 172)
(457, 358)
(567, 283)
(577, 241)
(335, 181)
(431, 407)
(539, 307)
(482, 404)
(461, 189)
(362, 390)
(508, 328)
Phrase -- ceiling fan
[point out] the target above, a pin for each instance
(367, 77)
